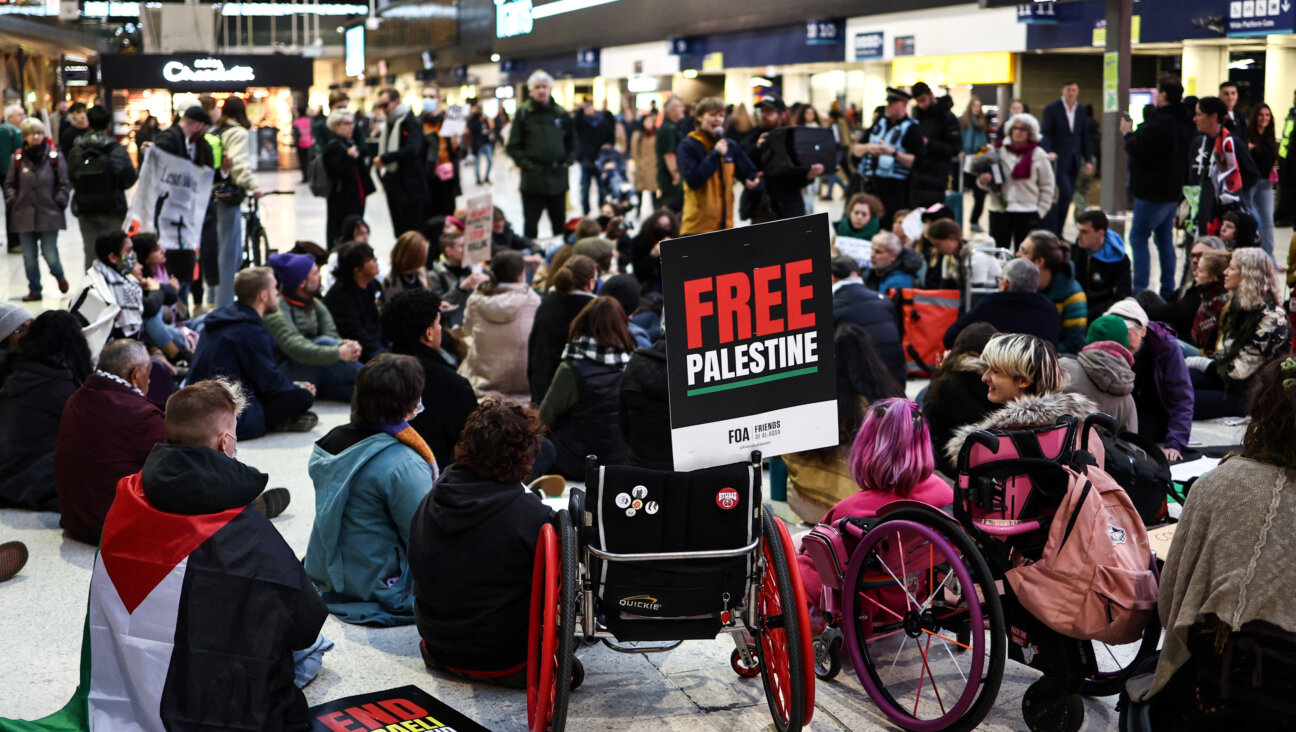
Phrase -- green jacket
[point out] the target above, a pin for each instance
(10, 142)
(295, 330)
(543, 144)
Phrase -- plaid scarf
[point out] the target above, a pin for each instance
(589, 349)
(406, 434)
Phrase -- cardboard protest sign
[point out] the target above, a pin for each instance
(456, 120)
(398, 710)
(477, 232)
(749, 347)
(170, 199)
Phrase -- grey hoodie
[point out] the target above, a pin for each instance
(1108, 380)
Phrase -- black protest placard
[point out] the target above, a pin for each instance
(405, 709)
(749, 342)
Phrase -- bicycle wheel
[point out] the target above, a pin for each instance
(923, 623)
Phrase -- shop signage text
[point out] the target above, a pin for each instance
(825, 32)
(1260, 17)
(868, 46)
(206, 70)
(513, 18)
(1038, 14)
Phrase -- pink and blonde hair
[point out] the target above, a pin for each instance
(892, 452)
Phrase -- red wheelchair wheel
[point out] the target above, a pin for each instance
(542, 632)
(783, 638)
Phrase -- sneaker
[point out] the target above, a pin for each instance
(552, 485)
(63, 286)
(13, 556)
(272, 502)
(31, 297)
(304, 422)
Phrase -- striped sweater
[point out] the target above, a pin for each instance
(1070, 300)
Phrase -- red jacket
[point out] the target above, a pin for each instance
(106, 433)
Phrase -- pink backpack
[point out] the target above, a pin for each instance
(1094, 579)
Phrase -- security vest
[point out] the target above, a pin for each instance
(216, 147)
(1289, 126)
(887, 166)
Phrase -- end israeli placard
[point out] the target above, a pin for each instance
(394, 710)
(749, 342)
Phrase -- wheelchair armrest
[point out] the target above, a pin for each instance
(1098, 419)
(980, 437)
(576, 509)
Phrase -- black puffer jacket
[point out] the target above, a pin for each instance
(858, 305)
(31, 405)
(957, 396)
(644, 412)
(1159, 152)
(943, 143)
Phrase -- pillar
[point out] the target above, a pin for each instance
(796, 87)
(1114, 198)
(1280, 75)
(1205, 67)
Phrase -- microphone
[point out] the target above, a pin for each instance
(718, 132)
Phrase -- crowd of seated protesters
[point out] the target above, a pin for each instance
(645, 249)
(1102, 267)
(161, 300)
(818, 479)
(573, 287)
(50, 363)
(14, 322)
(236, 344)
(480, 502)
(1163, 394)
(957, 394)
(854, 303)
(889, 459)
(1227, 556)
(1253, 329)
(408, 266)
(1209, 281)
(451, 280)
(370, 475)
(412, 325)
(1057, 281)
(1104, 371)
(643, 408)
(497, 323)
(892, 266)
(581, 405)
(1018, 306)
(107, 430)
(308, 346)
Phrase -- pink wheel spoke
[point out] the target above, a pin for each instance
(884, 636)
(947, 640)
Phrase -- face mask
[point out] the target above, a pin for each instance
(429, 106)
(419, 409)
(128, 264)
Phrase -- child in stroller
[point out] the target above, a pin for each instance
(613, 181)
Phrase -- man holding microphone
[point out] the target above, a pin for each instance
(708, 163)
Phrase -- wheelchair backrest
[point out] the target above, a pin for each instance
(637, 510)
(1015, 475)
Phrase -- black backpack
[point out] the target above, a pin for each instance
(1138, 465)
(90, 169)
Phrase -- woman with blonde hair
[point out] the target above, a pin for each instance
(1023, 374)
(1253, 329)
(408, 265)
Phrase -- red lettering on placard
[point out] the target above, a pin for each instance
(733, 293)
(695, 309)
(338, 722)
(798, 294)
(766, 299)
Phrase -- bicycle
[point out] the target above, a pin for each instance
(256, 243)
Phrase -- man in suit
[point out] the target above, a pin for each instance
(1235, 119)
(1066, 138)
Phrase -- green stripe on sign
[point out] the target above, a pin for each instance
(752, 382)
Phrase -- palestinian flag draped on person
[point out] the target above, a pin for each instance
(196, 604)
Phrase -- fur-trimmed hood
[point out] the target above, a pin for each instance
(970, 363)
(1024, 412)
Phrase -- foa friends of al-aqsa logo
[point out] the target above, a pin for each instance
(764, 323)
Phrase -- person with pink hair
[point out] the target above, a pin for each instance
(890, 460)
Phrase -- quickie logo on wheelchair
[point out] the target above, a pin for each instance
(641, 602)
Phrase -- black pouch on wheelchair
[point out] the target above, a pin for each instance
(636, 512)
(1034, 644)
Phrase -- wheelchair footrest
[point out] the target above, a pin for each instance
(641, 649)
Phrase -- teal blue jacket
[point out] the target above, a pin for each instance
(367, 487)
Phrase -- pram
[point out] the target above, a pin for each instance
(613, 181)
(933, 659)
(981, 269)
(659, 556)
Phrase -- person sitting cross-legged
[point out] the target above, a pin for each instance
(236, 344)
(472, 547)
(308, 346)
(108, 429)
(370, 475)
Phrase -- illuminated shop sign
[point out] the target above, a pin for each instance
(513, 18)
(206, 70)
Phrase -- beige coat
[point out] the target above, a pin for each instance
(644, 155)
(1232, 556)
(497, 327)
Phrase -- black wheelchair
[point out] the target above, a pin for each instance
(656, 557)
